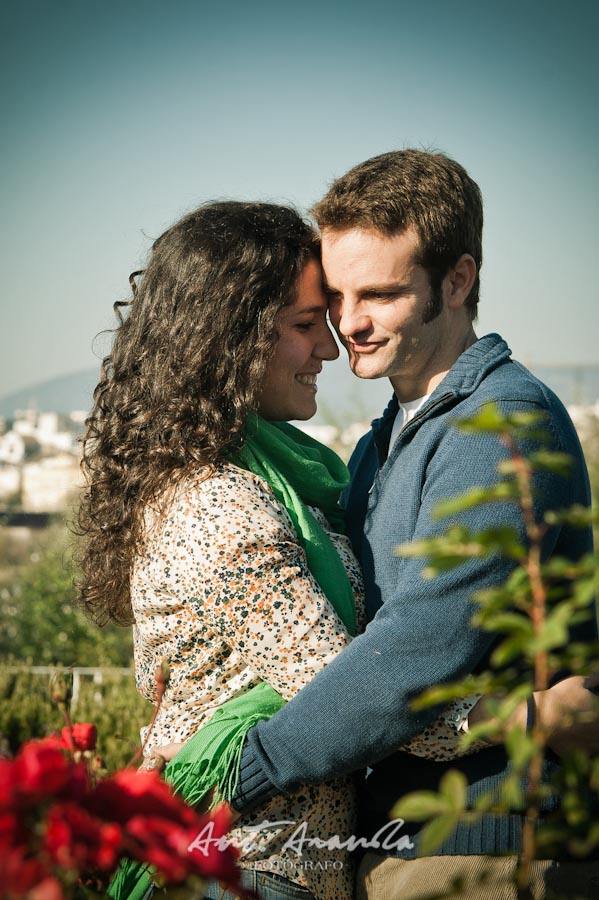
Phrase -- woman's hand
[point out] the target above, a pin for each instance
(159, 757)
(157, 762)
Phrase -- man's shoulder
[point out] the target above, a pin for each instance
(513, 383)
(512, 388)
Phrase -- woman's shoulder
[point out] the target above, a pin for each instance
(220, 482)
(223, 491)
(217, 501)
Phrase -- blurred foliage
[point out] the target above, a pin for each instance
(114, 706)
(530, 615)
(39, 623)
(589, 437)
(40, 626)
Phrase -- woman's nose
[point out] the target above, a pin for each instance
(327, 345)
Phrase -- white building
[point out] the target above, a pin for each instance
(10, 482)
(585, 418)
(12, 448)
(48, 483)
(47, 428)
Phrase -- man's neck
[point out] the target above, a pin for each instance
(408, 389)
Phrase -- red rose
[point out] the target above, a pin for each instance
(75, 840)
(130, 793)
(84, 735)
(20, 876)
(7, 783)
(163, 844)
(56, 741)
(169, 848)
(210, 850)
(48, 889)
(40, 770)
(13, 831)
(55, 818)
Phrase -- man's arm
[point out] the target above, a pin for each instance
(357, 711)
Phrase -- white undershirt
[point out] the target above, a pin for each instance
(405, 414)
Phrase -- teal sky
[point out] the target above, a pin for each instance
(119, 117)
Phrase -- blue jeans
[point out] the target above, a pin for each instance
(267, 885)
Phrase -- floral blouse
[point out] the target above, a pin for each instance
(223, 591)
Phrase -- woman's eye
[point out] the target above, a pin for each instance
(304, 326)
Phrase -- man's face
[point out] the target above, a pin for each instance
(379, 303)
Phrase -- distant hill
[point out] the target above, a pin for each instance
(342, 398)
(62, 394)
(574, 385)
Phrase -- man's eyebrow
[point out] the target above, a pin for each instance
(392, 287)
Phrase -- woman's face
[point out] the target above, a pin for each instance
(305, 341)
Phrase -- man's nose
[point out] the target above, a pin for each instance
(348, 318)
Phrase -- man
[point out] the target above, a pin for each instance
(401, 252)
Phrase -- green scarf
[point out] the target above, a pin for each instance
(301, 472)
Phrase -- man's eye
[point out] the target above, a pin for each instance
(381, 296)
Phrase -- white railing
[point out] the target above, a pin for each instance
(95, 672)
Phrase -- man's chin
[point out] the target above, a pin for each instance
(362, 370)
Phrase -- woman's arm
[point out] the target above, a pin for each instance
(238, 561)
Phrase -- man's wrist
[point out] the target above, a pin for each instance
(523, 718)
(253, 785)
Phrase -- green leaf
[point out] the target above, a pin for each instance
(485, 802)
(476, 496)
(585, 591)
(433, 834)
(453, 786)
(551, 461)
(436, 695)
(554, 632)
(490, 420)
(485, 683)
(419, 806)
(510, 622)
(438, 566)
(487, 419)
(551, 836)
(512, 795)
(559, 567)
(519, 747)
(576, 514)
(527, 419)
(459, 544)
(506, 651)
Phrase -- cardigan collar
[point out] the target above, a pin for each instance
(467, 372)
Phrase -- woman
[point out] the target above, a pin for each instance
(216, 531)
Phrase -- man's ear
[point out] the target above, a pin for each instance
(459, 281)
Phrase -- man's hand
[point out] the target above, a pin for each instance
(568, 712)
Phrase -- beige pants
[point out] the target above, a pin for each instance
(483, 878)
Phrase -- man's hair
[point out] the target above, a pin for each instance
(427, 191)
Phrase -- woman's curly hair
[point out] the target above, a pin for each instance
(187, 363)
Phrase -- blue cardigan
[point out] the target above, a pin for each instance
(356, 712)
